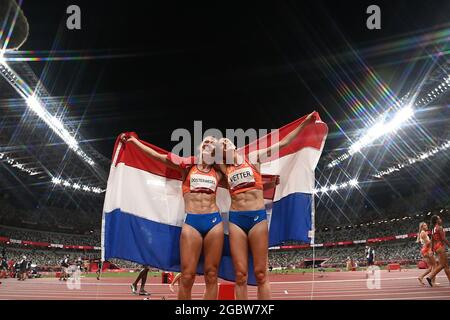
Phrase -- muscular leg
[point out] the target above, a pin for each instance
(239, 255)
(440, 266)
(135, 283)
(190, 249)
(144, 274)
(259, 241)
(212, 250)
(430, 262)
(444, 258)
(138, 278)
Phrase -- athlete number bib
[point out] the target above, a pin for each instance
(202, 182)
(241, 177)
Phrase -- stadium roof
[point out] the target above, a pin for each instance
(256, 67)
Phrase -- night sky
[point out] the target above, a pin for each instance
(155, 66)
(259, 65)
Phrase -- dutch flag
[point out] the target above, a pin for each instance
(144, 210)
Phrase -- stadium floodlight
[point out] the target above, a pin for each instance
(381, 128)
(2, 57)
(410, 161)
(57, 126)
(16, 164)
(400, 117)
(97, 190)
(378, 130)
(334, 187)
(37, 106)
(76, 186)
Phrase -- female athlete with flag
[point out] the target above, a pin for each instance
(203, 226)
(248, 225)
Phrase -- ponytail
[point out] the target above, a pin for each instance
(432, 239)
(433, 222)
(420, 232)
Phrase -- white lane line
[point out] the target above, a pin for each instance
(317, 282)
(417, 298)
(367, 291)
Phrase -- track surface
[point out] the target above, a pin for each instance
(402, 285)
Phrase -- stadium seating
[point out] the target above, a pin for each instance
(400, 250)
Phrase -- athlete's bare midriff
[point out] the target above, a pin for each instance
(247, 201)
(199, 202)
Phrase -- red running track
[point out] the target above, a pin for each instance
(402, 285)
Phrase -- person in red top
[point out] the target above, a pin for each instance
(426, 251)
(439, 243)
(248, 225)
(203, 227)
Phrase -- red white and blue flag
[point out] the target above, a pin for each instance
(144, 209)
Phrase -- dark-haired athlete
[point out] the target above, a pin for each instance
(142, 276)
(439, 243)
(99, 269)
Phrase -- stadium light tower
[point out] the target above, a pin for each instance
(406, 112)
(335, 187)
(382, 128)
(34, 103)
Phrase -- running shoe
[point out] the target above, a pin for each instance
(133, 288)
(144, 293)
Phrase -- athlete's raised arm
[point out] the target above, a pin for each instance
(150, 152)
(267, 152)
